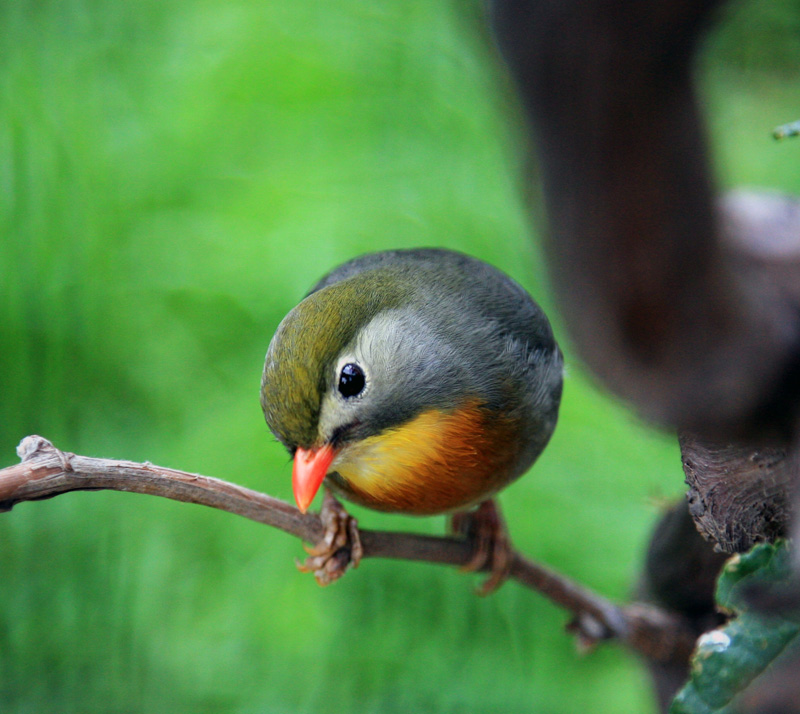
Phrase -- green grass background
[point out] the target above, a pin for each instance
(173, 176)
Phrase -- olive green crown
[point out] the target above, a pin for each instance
(308, 341)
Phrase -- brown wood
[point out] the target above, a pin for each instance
(46, 472)
(653, 283)
(739, 494)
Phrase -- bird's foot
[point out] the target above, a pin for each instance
(486, 528)
(340, 547)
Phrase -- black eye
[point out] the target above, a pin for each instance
(351, 380)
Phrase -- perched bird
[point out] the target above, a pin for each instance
(413, 381)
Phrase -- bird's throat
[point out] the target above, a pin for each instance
(439, 461)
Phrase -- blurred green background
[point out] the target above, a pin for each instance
(173, 176)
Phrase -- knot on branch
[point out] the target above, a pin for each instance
(32, 446)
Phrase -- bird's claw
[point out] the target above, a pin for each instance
(487, 530)
(340, 547)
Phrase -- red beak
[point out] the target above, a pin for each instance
(310, 467)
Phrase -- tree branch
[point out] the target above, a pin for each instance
(739, 494)
(660, 305)
(45, 471)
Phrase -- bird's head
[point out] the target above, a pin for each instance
(342, 367)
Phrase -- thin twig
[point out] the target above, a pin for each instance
(45, 471)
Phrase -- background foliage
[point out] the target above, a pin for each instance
(173, 176)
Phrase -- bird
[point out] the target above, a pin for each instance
(418, 381)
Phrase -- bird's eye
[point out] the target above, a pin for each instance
(351, 380)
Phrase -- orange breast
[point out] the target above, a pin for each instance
(440, 461)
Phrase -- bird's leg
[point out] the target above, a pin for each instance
(486, 528)
(340, 547)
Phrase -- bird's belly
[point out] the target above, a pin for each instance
(440, 461)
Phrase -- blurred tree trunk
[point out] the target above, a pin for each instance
(683, 305)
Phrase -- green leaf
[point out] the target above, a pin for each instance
(689, 701)
(727, 660)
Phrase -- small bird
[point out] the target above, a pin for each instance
(411, 381)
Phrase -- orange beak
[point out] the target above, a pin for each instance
(310, 467)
